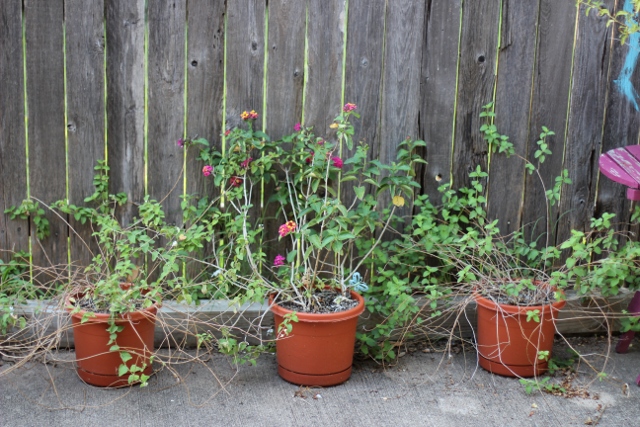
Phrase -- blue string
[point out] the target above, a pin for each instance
(357, 284)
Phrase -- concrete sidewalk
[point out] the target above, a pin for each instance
(425, 388)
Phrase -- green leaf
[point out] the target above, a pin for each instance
(144, 380)
(122, 370)
(314, 239)
(327, 240)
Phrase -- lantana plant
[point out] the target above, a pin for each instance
(308, 215)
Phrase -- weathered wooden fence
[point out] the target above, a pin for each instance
(82, 80)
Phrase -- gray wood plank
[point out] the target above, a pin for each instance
(401, 82)
(552, 80)
(285, 74)
(85, 44)
(245, 41)
(438, 97)
(512, 107)
(205, 84)
(245, 60)
(14, 234)
(621, 128)
(125, 101)
(285, 85)
(364, 65)
(475, 86)
(586, 118)
(323, 90)
(45, 98)
(165, 103)
(363, 77)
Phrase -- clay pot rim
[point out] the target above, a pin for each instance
(519, 309)
(321, 317)
(143, 313)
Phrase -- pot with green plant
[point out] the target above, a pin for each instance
(511, 280)
(517, 297)
(112, 350)
(325, 234)
(113, 303)
(517, 300)
(516, 317)
(515, 339)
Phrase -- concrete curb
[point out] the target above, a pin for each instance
(178, 323)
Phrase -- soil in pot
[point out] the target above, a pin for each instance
(98, 366)
(319, 349)
(508, 344)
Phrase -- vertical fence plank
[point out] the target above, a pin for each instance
(401, 79)
(205, 82)
(475, 86)
(325, 34)
(84, 23)
(285, 75)
(285, 85)
(363, 75)
(586, 117)
(549, 108)
(245, 60)
(512, 107)
(364, 65)
(245, 35)
(165, 103)
(125, 101)
(14, 234)
(438, 97)
(45, 100)
(622, 123)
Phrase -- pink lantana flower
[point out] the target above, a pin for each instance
(245, 164)
(180, 143)
(309, 159)
(286, 228)
(206, 171)
(349, 107)
(337, 162)
(279, 261)
(297, 127)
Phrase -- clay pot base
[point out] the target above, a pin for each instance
(314, 380)
(526, 371)
(111, 381)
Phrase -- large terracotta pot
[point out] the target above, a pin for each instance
(507, 344)
(319, 349)
(98, 366)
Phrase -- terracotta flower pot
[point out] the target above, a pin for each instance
(507, 344)
(98, 366)
(319, 349)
